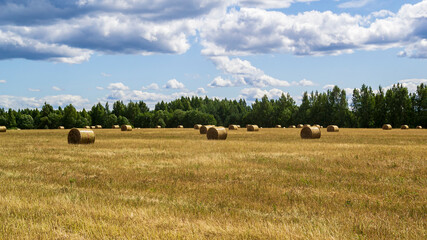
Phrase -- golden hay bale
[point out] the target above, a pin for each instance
(333, 128)
(233, 127)
(98, 126)
(419, 127)
(81, 136)
(403, 127)
(204, 129)
(158, 126)
(87, 127)
(253, 128)
(300, 126)
(387, 127)
(115, 127)
(238, 126)
(61, 127)
(306, 125)
(92, 127)
(317, 125)
(126, 128)
(292, 126)
(3, 128)
(278, 126)
(217, 133)
(197, 126)
(310, 132)
(180, 126)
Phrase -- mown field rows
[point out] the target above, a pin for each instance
(173, 183)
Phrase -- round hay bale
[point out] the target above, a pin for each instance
(247, 125)
(115, 127)
(333, 128)
(217, 133)
(126, 128)
(3, 128)
(92, 127)
(158, 126)
(317, 125)
(300, 126)
(204, 129)
(419, 127)
(306, 125)
(252, 128)
(180, 126)
(81, 136)
(197, 126)
(310, 132)
(284, 127)
(87, 127)
(278, 126)
(238, 126)
(233, 127)
(404, 127)
(98, 126)
(292, 126)
(387, 127)
(61, 127)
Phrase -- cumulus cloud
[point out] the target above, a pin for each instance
(174, 84)
(354, 4)
(220, 82)
(33, 90)
(55, 88)
(304, 83)
(105, 74)
(411, 84)
(117, 86)
(100, 88)
(257, 31)
(201, 91)
(244, 73)
(153, 86)
(257, 93)
(329, 86)
(16, 102)
(3, 81)
(270, 4)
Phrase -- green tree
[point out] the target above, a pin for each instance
(25, 121)
(70, 116)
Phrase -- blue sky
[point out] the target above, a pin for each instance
(88, 51)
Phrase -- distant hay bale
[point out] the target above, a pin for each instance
(300, 126)
(387, 127)
(233, 127)
(333, 128)
(158, 126)
(310, 132)
(180, 126)
(252, 128)
(98, 126)
(278, 126)
(115, 127)
(3, 128)
(419, 127)
(238, 126)
(403, 127)
(61, 127)
(197, 126)
(204, 129)
(87, 127)
(284, 127)
(292, 126)
(81, 136)
(317, 125)
(306, 125)
(92, 127)
(217, 133)
(126, 128)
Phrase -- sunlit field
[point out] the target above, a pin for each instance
(173, 183)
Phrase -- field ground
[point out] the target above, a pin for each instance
(173, 183)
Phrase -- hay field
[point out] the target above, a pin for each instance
(174, 184)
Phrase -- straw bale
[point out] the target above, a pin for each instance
(233, 127)
(253, 128)
(310, 132)
(217, 133)
(197, 126)
(278, 126)
(204, 129)
(61, 127)
(3, 128)
(306, 125)
(419, 127)
(87, 127)
(115, 127)
(158, 126)
(92, 127)
(292, 126)
(81, 136)
(333, 128)
(98, 126)
(180, 126)
(300, 126)
(403, 127)
(126, 128)
(387, 127)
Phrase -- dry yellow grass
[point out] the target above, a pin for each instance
(354, 184)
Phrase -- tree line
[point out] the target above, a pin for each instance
(368, 109)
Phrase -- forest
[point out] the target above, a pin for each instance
(368, 109)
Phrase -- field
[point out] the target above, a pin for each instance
(175, 184)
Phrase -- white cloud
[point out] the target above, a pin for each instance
(105, 74)
(270, 4)
(354, 4)
(16, 102)
(220, 82)
(257, 93)
(244, 73)
(55, 88)
(329, 86)
(411, 84)
(117, 86)
(3, 81)
(153, 86)
(174, 84)
(201, 91)
(33, 90)
(100, 88)
(305, 83)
